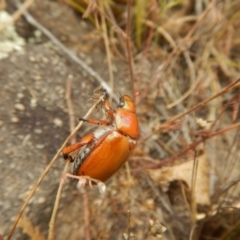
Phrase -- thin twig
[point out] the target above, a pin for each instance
(223, 91)
(192, 146)
(193, 186)
(71, 114)
(192, 232)
(113, 23)
(129, 52)
(106, 42)
(199, 105)
(193, 80)
(161, 30)
(109, 11)
(86, 214)
(175, 51)
(56, 205)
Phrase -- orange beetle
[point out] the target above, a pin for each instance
(104, 151)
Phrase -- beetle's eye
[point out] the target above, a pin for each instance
(121, 102)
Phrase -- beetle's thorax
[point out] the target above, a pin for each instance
(127, 123)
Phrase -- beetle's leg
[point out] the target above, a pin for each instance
(104, 97)
(96, 121)
(84, 141)
(108, 108)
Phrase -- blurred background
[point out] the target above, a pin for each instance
(179, 60)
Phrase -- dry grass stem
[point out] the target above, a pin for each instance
(107, 47)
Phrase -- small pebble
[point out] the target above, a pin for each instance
(32, 58)
(38, 130)
(20, 137)
(7, 151)
(88, 61)
(37, 77)
(57, 122)
(20, 95)
(55, 61)
(61, 91)
(14, 119)
(41, 200)
(12, 165)
(45, 60)
(33, 102)
(19, 106)
(37, 34)
(150, 203)
(40, 146)
(70, 76)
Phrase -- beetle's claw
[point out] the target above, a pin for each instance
(68, 157)
(106, 95)
(104, 90)
(82, 119)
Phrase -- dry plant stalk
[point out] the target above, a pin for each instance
(172, 122)
(107, 46)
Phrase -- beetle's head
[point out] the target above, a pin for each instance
(126, 103)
